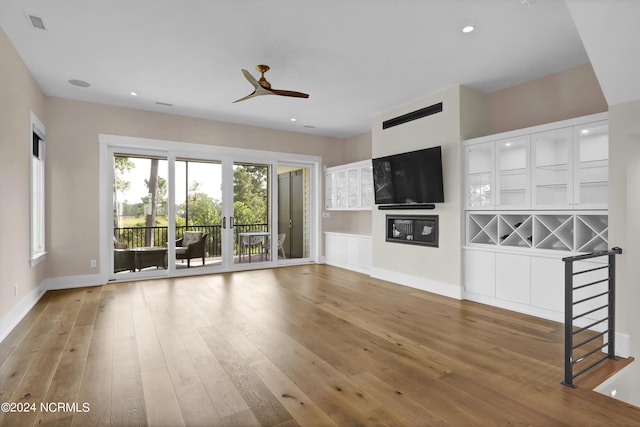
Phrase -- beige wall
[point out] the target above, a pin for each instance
(442, 265)
(73, 160)
(19, 94)
(624, 211)
(564, 95)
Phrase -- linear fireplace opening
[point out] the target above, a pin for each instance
(413, 229)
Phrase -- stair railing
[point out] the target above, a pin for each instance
(572, 307)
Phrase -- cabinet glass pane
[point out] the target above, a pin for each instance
(513, 172)
(328, 191)
(353, 184)
(552, 168)
(340, 182)
(366, 186)
(480, 165)
(592, 165)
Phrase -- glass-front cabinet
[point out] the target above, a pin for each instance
(591, 160)
(561, 168)
(513, 173)
(552, 169)
(349, 187)
(498, 174)
(480, 167)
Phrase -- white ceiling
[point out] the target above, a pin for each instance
(356, 58)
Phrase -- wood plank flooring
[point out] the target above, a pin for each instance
(306, 345)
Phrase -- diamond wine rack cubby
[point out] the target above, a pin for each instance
(560, 232)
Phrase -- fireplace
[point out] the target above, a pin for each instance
(413, 229)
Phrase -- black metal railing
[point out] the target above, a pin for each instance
(135, 237)
(589, 297)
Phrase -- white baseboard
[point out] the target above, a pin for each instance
(71, 282)
(17, 313)
(352, 267)
(623, 345)
(422, 283)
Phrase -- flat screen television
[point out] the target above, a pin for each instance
(406, 178)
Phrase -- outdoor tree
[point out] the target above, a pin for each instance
(121, 166)
(250, 194)
(199, 209)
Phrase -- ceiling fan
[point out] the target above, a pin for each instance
(263, 87)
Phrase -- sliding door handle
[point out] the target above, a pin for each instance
(224, 222)
(231, 222)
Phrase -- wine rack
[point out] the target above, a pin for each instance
(584, 232)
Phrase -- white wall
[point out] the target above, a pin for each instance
(624, 214)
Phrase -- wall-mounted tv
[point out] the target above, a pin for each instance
(406, 178)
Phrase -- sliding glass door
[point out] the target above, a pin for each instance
(198, 213)
(140, 214)
(251, 223)
(174, 215)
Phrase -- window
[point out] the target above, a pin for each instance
(37, 191)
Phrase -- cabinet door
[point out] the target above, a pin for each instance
(341, 189)
(353, 188)
(480, 272)
(591, 172)
(547, 283)
(513, 277)
(366, 187)
(335, 247)
(480, 168)
(552, 174)
(328, 191)
(513, 173)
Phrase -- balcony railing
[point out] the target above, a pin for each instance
(135, 237)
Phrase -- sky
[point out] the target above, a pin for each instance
(209, 175)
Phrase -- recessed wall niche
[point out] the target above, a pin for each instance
(413, 229)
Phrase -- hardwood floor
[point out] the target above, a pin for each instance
(306, 345)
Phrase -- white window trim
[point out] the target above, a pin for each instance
(37, 216)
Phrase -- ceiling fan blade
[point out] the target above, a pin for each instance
(251, 79)
(290, 93)
(251, 95)
(258, 92)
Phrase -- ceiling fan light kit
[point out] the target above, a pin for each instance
(263, 87)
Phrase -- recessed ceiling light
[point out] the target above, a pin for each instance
(79, 83)
(584, 131)
(293, 119)
(468, 29)
(132, 93)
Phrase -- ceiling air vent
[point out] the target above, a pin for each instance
(36, 22)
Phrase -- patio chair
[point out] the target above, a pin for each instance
(267, 244)
(250, 242)
(191, 245)
(123, 258)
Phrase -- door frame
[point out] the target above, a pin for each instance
(108, 144)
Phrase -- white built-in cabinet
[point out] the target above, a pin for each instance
(349, 187)
(348, 250)
(560, 166)
(532, 197)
